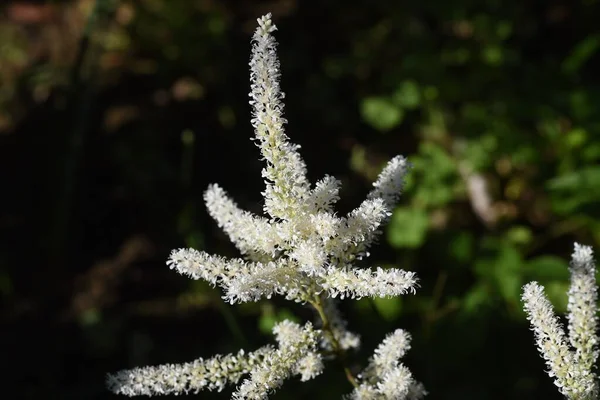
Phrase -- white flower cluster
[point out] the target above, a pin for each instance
(571, 367)
(267, 368)
(302, 248)
(385, 378)
(303, 251)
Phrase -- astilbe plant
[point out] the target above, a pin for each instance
(303, 251)
(570, 358)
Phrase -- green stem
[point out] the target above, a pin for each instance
(328, 331)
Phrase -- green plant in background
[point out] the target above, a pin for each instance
(303, 252)
(514, 162)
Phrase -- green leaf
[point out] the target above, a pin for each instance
(493, 55)
(557, 294)
(477, 297)
(573, 190)
(461, 247)
(269, 318)
(508, 273)
(581, 53)
(388, 308)
(519, 235)
(408, 95)
(584, 179)
(547, 268)
(407, 228)
(381, 113)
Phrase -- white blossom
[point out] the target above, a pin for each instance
(390, 182)
(324, 195)
(309, 367)
(395, 383)
(295, 343)
(358, 283)
(200, 265)
(211, 374)
(391, 350)
(300, 250)
(572, 368)
(285, 173)
(264, 281)
(248, 232)
(386, 378)
(582, 311)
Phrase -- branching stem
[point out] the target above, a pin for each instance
(328, 331)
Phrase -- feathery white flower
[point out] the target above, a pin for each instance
(549, 334)
(391, 350)
(395, 383)
(248, 232)
(310, 256)
(211, 374)
(390, 182)
(309, 367)
(303, 252)
(304, 247)
(201, 265)
(295, 343)
(265, 280)
(359, 283)
(365, 392)
(571, 368)
(385, 377)
(285, 172)
(324, 195)
(582, 309)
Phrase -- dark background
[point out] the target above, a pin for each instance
(116, 115)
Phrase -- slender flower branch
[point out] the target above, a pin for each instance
(327, 329)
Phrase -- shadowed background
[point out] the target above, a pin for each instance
(116, 115)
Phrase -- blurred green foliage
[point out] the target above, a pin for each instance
(109, 140)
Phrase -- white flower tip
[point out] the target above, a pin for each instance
(265, 25)
(582, 254)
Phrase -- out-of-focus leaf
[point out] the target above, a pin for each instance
(576, 138)
(407, 227)
(519, 235)
(585, 179)
(435, 176)
(461, 247)
(508, 272)
(547, 268)
(493, 55)
(269, 318)
(581, 53)
(408, 95)
(478, 297)
(557, 294)
(502, 267)
(381, 113)
(575, 189)
(388, 308)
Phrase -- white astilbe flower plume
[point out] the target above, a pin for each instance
(296, 343)
(571, 367)
(266, 367)
(212, 374)
(300, 250)
(385, 377)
